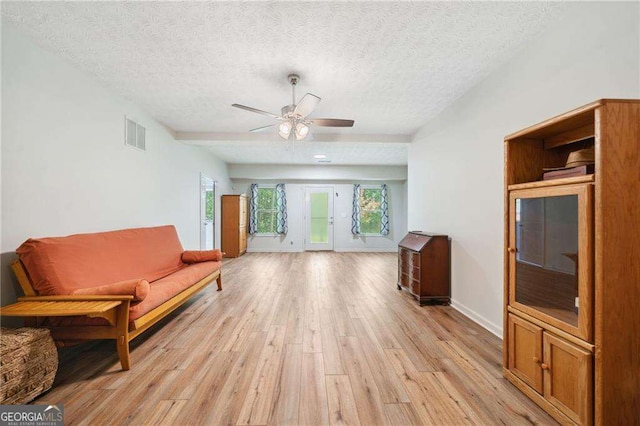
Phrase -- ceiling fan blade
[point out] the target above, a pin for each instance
(257, 111)
(331, 122)
(260, 129)
(306, 105)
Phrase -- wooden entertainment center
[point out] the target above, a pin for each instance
(572, 266)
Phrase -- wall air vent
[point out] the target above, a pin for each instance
(134, 134)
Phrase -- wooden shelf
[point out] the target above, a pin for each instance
(571, 120)
(560, 124)
(58, 308)
(553, 182)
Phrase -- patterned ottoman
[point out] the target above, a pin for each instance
(28, 364)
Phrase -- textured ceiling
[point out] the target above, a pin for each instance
(390, 66)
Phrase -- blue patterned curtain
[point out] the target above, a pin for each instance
(355, 215)
(253, 209)
(384, 206)
(281, 214)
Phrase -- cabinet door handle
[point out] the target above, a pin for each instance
(544, 366)
(511, 250)
(536, 360)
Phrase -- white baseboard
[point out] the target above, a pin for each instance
(338, 250)
(366, 250)
(477, 318)
(292, 250)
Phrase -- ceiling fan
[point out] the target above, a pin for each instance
(294, 118)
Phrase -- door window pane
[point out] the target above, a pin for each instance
(319, 217)
(207, 212)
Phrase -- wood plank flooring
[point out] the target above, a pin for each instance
(298, 338)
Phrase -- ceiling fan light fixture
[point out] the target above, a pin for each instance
(284, 129)
(302, 130)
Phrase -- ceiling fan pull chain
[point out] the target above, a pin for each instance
(293, 80)
(293, 93)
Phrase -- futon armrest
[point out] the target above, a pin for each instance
(197, 256)
(72, 298)
(138, 288)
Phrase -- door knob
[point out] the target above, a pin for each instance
(536, 360)
(544, 366)
(511, 250)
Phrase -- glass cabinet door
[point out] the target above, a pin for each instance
(551, 256)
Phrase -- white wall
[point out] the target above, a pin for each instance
(65, 168)
(455, 170)
(343, 239)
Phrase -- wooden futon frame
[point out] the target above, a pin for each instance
(114, 309)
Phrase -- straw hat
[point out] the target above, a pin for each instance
(581, 157)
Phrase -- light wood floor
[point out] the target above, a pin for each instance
(305, 338)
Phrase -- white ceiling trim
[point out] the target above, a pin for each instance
(202, 138)
(339, 149)
(278, 151)
(299, 173)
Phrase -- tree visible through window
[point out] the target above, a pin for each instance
(370, 210)
(267, 211)
(208, 211)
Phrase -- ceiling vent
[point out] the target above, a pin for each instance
(134, 134)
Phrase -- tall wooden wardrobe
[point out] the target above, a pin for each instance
(234, 225)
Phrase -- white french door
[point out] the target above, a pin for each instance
(318, 218)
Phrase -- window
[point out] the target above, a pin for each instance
(267, 211)
(370, 210)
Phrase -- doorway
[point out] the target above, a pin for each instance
(207, 212)
(318, 218)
